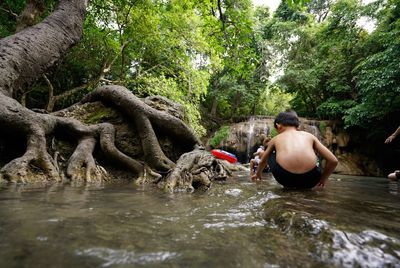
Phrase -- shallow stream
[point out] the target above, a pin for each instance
(353, 222)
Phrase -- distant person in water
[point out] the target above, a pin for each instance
(396, 174)
(291, 155)
(257, 155)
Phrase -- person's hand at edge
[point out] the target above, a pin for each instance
(389, 139)
(321, 183)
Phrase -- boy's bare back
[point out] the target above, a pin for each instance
(295, 150)
(295, 159)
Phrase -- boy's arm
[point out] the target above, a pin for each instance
(263, 161)
(331, 161)
(259, 153)
(393, 136)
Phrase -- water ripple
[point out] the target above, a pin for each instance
(368, 248)
(120, 257)
(222, 225)
(233, 192)
(246, 214)
(365, 249)
(256, 202)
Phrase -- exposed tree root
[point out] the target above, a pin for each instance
(36, 160)
(82, 164)
(35, 163)
(38, 164)
(144, 117)
(194, 170)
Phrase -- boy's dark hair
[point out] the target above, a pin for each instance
(288, 118)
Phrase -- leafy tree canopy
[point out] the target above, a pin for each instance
(231, 58)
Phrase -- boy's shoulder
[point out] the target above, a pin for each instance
(307, 134)
(299, 134)
(304, 133)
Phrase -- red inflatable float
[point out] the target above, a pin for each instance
(221, 154)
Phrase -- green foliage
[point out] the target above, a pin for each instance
(333, 109)
(297, 2)
(273, 100)
(235, 85)
(8, 16)
(10, 11)
(225, 57)
(273, 132)
(194, 118)
(156, 85)
(219, 136)
(378, 75)
(169, 88)
(335, 69)
(322, 126)
(288, 11)
(319, 68)
(164, 43)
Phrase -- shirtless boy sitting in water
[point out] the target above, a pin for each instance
(291, 155)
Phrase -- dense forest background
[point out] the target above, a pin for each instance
(226, 59)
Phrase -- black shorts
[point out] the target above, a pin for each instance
(291, 180)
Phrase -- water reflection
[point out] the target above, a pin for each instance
(353, 222)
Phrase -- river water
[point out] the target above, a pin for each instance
(352, 222)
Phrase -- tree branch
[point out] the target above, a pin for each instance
(9, 11)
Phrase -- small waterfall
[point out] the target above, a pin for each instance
(250, 137)
(266, 129)
(237, 140)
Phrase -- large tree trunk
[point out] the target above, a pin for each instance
(24, 57)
